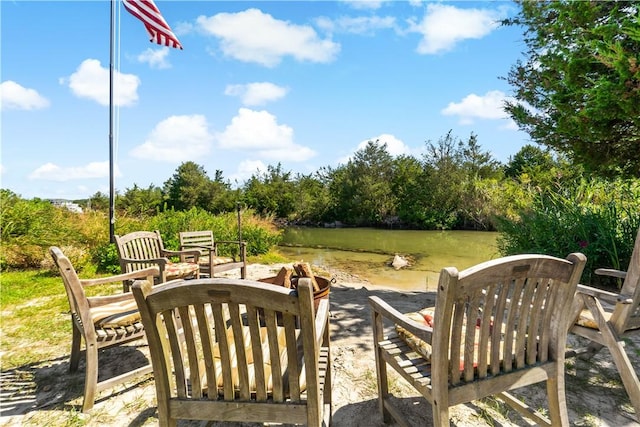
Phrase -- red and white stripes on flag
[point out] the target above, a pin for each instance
(148, 13)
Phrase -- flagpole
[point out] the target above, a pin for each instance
(112, 217)
(161, 33)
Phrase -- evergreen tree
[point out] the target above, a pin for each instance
(578, 90)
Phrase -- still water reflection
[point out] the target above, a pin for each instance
(368, 252)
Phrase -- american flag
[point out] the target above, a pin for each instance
(148, 13)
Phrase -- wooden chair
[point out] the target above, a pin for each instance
(102, 321)
(496, 326)
(142, 249)
(607, 318)
(210, 262)
(237, 350)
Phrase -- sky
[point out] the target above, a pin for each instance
(303, 84)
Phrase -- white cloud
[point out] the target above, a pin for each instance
(156, 58)
(16, 97)
(443, 26)
(489, 106)
(260, 133)
(52, 172)
(91, 81)
(254, 36)
(246, 169)
(176, 139)
(395, 146)
(258, 93)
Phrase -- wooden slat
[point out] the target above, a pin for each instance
(546, 335)
(293, 364)
(496, 336)
(512, 311)
(523, 324)
(189, 342)
(536, 326)
(484, 343)
(168, 318)
(206, 331)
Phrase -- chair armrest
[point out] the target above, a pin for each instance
(422, 332)
(603, 295)
(242, 245)
(162, 261)
(322, 320)
(188, 248)
(611, 273)
(235, 242)
(195, 253)
(138, 274)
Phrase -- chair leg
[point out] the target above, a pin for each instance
(440, 414)
(557, 400)
(381, 369)
(627, 374)
(615, 344)
(328, 386)
(91, 377)
(76, 341)
(164, 419)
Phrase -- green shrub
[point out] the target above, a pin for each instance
(107, 259)
(80, 259)
(29, 227)
(18, 255)
(597, 218)
(260, 234)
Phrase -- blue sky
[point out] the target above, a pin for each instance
(301, 83)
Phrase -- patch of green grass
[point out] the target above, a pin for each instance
(22, 286)
(36, 324)
(489, 407)
(271, 257)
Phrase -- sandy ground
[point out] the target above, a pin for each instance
(46, 394)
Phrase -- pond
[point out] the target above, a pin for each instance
(368, 252)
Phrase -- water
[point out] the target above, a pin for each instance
(369, 252)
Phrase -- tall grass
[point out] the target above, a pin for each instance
(29, 227)
(599, 219)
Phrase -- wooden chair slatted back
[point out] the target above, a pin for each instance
(225, 340)
(197, 238)
(139, 245)
(202, 240)
(502, 315)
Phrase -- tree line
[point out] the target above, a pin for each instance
(439, 190)
(454, 184)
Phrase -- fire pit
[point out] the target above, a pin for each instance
(323, 283)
